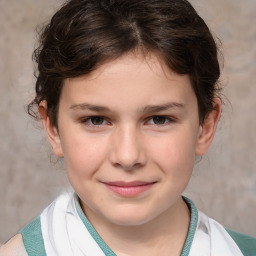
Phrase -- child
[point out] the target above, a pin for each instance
(128, 94)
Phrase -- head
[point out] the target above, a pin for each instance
(127, 91)
(84, 34)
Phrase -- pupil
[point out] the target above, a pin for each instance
(159, 120)
(97, 120)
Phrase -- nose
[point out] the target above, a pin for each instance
(127, 149)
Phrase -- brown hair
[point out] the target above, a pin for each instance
(83, 34)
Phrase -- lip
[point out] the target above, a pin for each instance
(129, 189)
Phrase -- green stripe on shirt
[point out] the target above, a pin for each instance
(33, 239)
(247, 244)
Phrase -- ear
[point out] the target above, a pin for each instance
(207, 129)
(51, 131)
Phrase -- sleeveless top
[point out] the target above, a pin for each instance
(63, 230)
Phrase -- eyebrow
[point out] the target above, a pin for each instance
(147, 109)
(164, 107)
(86, 106)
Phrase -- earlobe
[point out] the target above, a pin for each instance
(207, 129)
(51, 131)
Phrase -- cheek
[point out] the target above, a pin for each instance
(177, 152)
(83, 155)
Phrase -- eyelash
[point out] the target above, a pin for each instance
(88, 120)
(168, 120)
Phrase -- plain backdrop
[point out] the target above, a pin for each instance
(224, 181)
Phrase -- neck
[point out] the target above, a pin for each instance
(164, 235)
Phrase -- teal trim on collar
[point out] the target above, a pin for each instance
(104, 247)
(33, 239)
(192, 227)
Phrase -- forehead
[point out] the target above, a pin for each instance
(130, 79)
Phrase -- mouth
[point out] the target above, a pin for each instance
(129, 189)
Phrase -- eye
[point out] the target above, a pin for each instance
(160, 120)
(95, 121)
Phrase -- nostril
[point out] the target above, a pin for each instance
(127, 151)
(127, 167)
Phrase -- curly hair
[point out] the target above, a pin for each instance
(84, 34)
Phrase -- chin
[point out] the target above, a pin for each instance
(131, 218)
(129, 222)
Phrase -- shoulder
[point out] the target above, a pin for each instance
(14, 247)
(224, 241)
(29, 242)
(247, 244)
(33, 239)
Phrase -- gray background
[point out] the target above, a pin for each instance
(224, 182)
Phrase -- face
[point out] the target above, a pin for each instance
(129, 133)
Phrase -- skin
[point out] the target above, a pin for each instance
(132, 120)
(14, 247)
